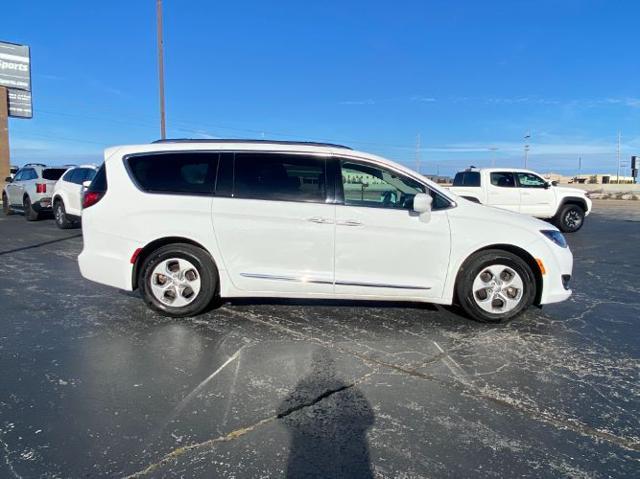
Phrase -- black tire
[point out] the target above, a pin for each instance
(60, 215)
(569, 219)
(29, 213)
(475, 265)
(206, 269)
(6, 208)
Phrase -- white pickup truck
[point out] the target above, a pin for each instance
(526, 192)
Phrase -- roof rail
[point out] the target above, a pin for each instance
(235, 140)
(34, 164)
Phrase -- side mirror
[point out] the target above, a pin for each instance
(554, 183)
(422, 205)
(8, 179)
(547, 185)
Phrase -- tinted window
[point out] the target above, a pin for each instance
(467, 178)
(18, 176)
(367, 185)
(99, 183)
(68, 175)
(276, 176)
(89, 174)
(189, 173)
(53, 173)
(529, 180)
(503, 179)
(80, 175)
(29, 174)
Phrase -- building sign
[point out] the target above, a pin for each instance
(20, 103)
(15, 75)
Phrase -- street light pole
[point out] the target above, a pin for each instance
(526, 148)
(163, 127)
(493, 150)
(618, 173)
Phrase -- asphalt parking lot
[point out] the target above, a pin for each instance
(94, 384)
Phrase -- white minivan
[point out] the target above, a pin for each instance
(186, 221)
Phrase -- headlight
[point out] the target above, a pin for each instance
(556, 237)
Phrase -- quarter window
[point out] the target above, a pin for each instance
(366, 185)
(180, 172)
(529, 180)
(279, 177)
(503, 179)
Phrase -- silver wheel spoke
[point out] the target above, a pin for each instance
(497, 289)
(175, 282)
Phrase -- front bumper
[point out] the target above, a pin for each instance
(558, 266)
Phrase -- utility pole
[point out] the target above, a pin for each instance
(493, 149)
(163, 127)
(618, 174)
(526, 148)
(579, 165)
(418, 153)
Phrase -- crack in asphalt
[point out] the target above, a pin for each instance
(237, 433)
(7, 459)
(464, 386)
(39, 245)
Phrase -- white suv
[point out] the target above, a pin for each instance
(29, 191)
(526, 192)
(189, 220)
(67, 195)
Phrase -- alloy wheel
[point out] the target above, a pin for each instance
(498, 289)
(175, 282)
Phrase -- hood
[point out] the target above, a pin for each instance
(568, 191)
(491, 214)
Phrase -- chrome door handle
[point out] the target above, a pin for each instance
(322, 221)
(350, 223)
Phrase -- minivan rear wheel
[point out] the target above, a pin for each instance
(495, 285)
(178, 280)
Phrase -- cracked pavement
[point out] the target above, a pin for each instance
(96, 385)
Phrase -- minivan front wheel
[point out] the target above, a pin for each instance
(178, 280)
(495, 285)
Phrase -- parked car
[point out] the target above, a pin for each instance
(186, 221)
(526, 192)
(30, 190)
(67, 195)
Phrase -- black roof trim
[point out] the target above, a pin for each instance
(234, 140)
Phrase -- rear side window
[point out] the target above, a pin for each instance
(280, 177)
(503, 179)
(467, 178)
(53, 174)
(180, 172)
(68, 175)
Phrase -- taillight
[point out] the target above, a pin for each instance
(41, 187)
(91, 198)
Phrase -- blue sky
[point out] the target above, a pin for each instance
(466, 76)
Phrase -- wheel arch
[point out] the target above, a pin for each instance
(473, 199)
(572, 200)
(516, 250)
(158, 243)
